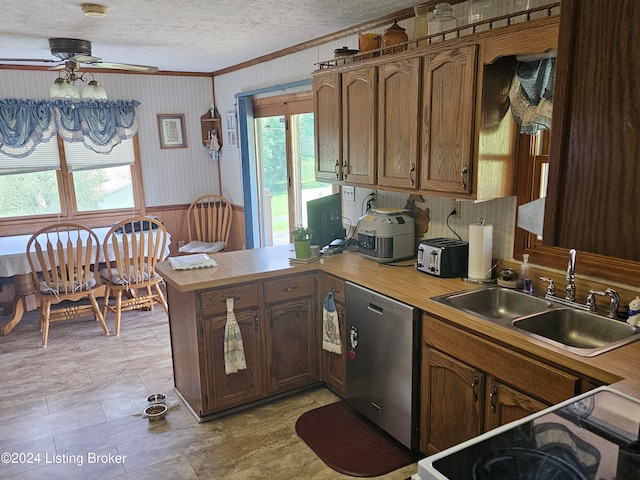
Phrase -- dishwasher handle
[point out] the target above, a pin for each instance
(375, 308)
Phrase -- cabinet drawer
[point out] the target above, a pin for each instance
(330, 282)
(214, 302)
(287, 288)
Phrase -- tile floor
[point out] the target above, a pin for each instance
(66, 412)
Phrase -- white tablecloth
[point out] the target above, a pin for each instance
(13, 257)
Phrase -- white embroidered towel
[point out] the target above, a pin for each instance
(233, 348)
(330, 327)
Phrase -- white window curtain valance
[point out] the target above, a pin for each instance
(99, 125)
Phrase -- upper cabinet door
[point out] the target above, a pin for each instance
(448, 94)
(592, 197)
(359, 108)
(328, 120)
(398, 113)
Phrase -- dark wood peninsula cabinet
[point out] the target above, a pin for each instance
(592, 199)
(278, 323)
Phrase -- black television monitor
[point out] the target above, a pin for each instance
(324, 218)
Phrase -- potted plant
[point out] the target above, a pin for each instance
(302, 241)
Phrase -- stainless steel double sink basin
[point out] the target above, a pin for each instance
(579, 331)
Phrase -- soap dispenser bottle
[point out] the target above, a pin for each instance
(524, 280)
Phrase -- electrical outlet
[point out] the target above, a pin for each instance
(455, 205)
(348, 193)
(180, 243)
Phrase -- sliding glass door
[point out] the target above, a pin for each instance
(285, 160)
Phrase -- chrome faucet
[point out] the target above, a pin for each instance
(614, 302)
(571, 277)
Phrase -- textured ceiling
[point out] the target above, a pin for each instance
(181, 35)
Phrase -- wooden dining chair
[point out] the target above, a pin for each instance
(64, 258)
(132, 248)
(209, 220)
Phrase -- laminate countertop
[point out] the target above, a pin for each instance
(619, 368)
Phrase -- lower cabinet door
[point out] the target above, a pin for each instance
(291, 346)
(335, 365)
(505, 404)
(453, 397)
(228, 390)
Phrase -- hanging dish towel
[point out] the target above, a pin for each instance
(233, 348)
(330, 328)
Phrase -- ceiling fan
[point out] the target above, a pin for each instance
(79, 52)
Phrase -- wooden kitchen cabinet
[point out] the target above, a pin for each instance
(278, 322)
(506, 404)
(592, 197)
(359, 109)
(224, 390)
(334, 366)
(292, 355)
(448, 93)
(452, 401)
(327, 107)
(471, 385)
(398, 123)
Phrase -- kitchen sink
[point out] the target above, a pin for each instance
(584, 333)
(495, 303)
(578, 331)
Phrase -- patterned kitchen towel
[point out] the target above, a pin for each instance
(330, 327)
(233, 348)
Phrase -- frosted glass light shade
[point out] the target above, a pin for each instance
(63, 89)
(94, 91)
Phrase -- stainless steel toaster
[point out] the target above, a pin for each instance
(443, 257)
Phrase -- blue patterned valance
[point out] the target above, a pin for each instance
(99, 125)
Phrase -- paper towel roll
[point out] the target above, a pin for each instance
(480, 251)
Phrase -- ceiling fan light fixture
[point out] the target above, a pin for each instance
(61, 88)
(94, 91)
(94, 10)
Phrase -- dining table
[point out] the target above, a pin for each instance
(15, 265)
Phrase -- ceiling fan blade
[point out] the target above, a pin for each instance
(126, 66)
(47, 60)
(85, 59)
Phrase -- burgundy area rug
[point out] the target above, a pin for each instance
(350, 443)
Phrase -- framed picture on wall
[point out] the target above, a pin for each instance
(230, 125)
(172, 130)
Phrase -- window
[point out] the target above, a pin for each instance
(68, 180)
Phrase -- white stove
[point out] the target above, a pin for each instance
(594, 436)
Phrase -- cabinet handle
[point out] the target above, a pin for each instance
(345, 169)
(336, 169)
(475, 383)
(411, 172)
(270, 318)
(465, 171)
(492, 398)
(255, 321)
(289, 289)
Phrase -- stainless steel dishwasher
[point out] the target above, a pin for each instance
(383, 348)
